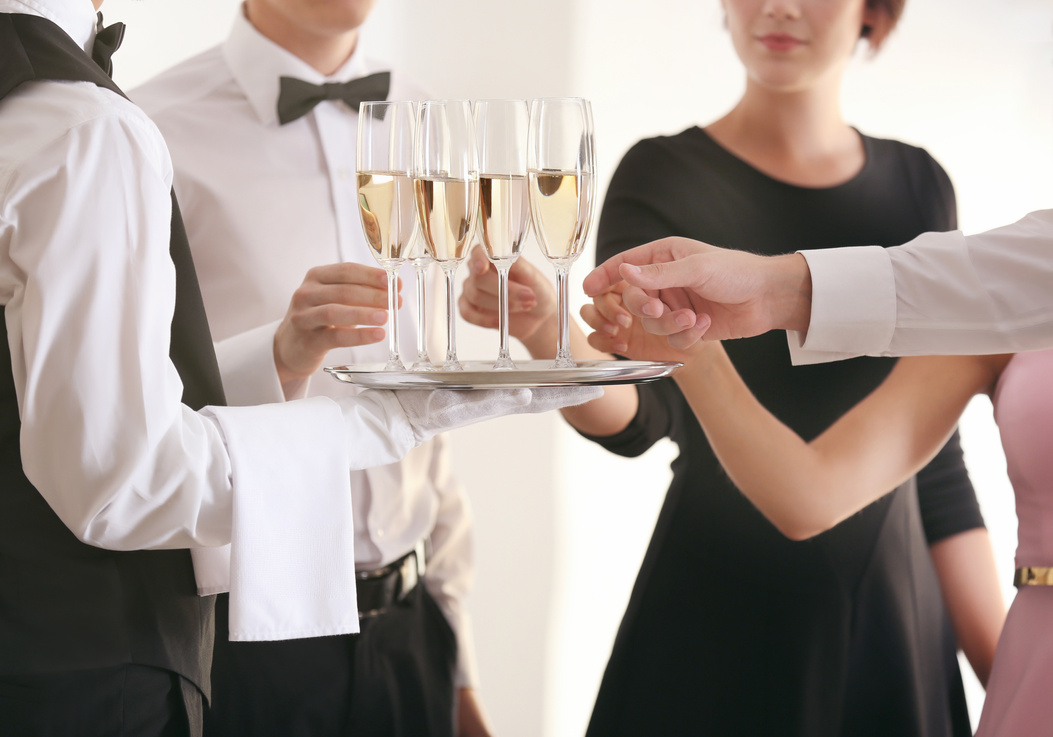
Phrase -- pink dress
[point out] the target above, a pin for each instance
(1020, 689)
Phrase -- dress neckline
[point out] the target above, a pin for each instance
(868, 158)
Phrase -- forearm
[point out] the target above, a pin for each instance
(942, 293)
(806, 488)
(972, 592)
(766, 460)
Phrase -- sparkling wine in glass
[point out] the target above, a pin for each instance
(561, 162)
(385, 196)
(446, 185)
(504, 207)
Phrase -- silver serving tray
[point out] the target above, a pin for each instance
(527, 374)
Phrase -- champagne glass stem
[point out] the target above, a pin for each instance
(449, 268)
(504, 360)
(563, 357)
(420, 267)
(394, 362)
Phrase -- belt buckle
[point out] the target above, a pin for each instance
(1033, 576)
(406, 571)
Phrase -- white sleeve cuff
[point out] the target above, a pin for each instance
(853, 305)
(246, 363)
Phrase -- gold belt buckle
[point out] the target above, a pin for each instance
(1033, 576)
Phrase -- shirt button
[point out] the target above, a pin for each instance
(342, 173)
(380, 532)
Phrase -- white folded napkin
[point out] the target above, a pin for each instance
(291, 566)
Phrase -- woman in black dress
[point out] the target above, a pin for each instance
(734, 628)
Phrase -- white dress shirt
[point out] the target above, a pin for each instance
(942, 293)
(264, 203)
(88, 290)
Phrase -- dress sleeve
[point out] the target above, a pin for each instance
(946, 495)
(633, 214)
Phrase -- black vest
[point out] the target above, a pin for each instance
(65, 605)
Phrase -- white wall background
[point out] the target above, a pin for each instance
(561, 525)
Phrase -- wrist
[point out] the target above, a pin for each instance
(541, 343)
(791, 289)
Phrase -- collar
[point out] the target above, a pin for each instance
(75, 17)
(257, 63)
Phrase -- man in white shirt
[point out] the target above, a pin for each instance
(269, 195)
(114, 456)
(942, 293)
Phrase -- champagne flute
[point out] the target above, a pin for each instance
(385, 196)
(504, 207)
(446, 182)
(562, 191)
(419, 257)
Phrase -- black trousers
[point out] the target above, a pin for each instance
(394, 679)
(126, 701)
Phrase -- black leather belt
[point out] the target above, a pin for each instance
(381, 588)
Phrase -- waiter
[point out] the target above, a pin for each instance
(109, 472)
(265, 171)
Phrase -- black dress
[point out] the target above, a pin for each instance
(733, 629)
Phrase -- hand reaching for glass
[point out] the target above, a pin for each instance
(337, 306)
(531, 302)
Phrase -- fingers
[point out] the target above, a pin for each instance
(687, 338)
(479, 301)
(478, 263)
(607, 344)
(350, 337)
(335, 314)
(607, 336)
(682, 273)
(348, 273)
(482, 317)
(607, 274)
(612, 307)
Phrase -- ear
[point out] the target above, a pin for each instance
(877, 25)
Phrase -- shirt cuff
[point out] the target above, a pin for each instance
(853, 305)
(246, 363)
(466, 669)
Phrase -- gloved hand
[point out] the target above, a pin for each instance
(383, 425)
(432, 411)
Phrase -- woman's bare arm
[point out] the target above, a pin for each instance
(971, 590)
(806, 488)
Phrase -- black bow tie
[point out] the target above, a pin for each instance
(297, 98)
(107, 41)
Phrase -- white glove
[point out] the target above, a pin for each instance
(432, 411)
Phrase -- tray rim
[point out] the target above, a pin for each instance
(526, 375)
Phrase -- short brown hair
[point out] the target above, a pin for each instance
(893, 10)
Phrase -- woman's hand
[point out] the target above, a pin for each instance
(618, 331)
(531, 300)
